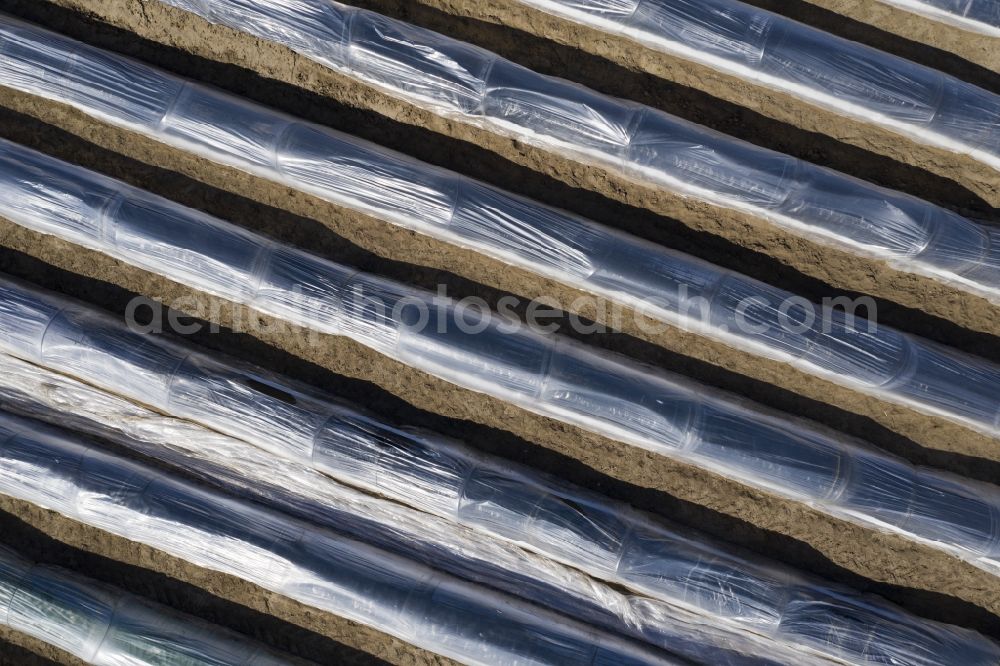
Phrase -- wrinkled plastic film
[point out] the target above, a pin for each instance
(663, 284)
(918, 236)
(284, 555)
(441, 477)
(664, 413)
(981, 16)
(667, 285)
(519, 376)
(298, 489)
(822, 68)
(454, 78)
(106, 627)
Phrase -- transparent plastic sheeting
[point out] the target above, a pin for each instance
(549, 375)
(314, 566)
(657, 282)
(104, 626)
(296, 488)
(837, 73)
(458, 80)
(977, 15)
(444, 478)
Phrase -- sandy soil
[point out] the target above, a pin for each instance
(924, 580)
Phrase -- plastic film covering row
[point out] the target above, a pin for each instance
(977, 15)
(297, 488)
(314, 566)
(456, 79)
(104, 626)
(667, 285)
(840, 74)
(445, 478)
(478, 350)
(757, 44)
